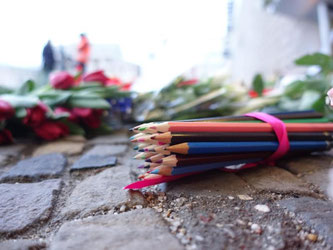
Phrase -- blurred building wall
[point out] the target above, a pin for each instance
(268, 43)
(13, 77)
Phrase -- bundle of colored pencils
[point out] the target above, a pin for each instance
(187, 147)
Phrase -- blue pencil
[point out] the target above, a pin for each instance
(166, 170)
(235, 147)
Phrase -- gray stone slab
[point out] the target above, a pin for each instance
(23, 244)
(94, 161)
(319, 178)
(107, 150)
(210, 183)
(23, 205)
(118, 138)
(274, 179)
(138, 229)
(306, 164)
(65, 146)
(36, 168)
(317, 214)
(8, 153)
(12, 150)
(103, 191)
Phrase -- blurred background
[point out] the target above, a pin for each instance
(231, 47)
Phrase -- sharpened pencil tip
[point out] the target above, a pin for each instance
(148, 160)
(142, 129)
(155, 171)
(132, 137)
(131, 129)
(159, 161)
(141, 150)
(153, 137)
(136, 148)
(141, 166)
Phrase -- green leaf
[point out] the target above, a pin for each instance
(87, 102)
(74, 129)
(60, 116)
(20, 113)
(325, 62)
(4, 90)
(320, 104)
(258, 84)
(101, 130)
(17, 101)
(55, 98)
(26, 88)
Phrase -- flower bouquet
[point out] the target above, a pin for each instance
(68, 105)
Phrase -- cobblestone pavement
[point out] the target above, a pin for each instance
(68, 195)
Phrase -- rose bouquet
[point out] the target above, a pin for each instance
(68, 105)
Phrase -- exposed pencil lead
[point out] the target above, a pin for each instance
(132, 137)
(141, 150)
(155, 171)
(134, 140)
(136, 148)
(142, 129)
(153, 137)
(148, 160)
(141, 166)
(131, 129)
(159, 161)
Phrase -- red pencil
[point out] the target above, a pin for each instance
(233, 127)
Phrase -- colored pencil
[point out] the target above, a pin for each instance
(233, 147)
(144, 156)
(281, 115)
(175, 138)
(185, 160)
(233, 127)
(140, 146)
(167, 170)
(157, 149)
(149, 165)
(176, 149)
(155, 158)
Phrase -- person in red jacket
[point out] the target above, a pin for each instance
(83, 53)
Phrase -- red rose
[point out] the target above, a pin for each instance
(62, 80)
(6, 111)
(6, 137)
(72, 117)
(187, 82)
(91, 117)
(97, 76)
(35, 115)
(113, 81)
(50, 130)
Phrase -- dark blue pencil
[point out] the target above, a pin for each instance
(167, 170)
(234, 147)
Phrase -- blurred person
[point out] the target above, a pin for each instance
(83, 53)
(48, 58)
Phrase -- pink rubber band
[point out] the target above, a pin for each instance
(279, 129)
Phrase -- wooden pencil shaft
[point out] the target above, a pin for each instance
(281, 115)
(184, 160)
(232, 136)
(229, 147)
(238, 127)
(165, 170)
